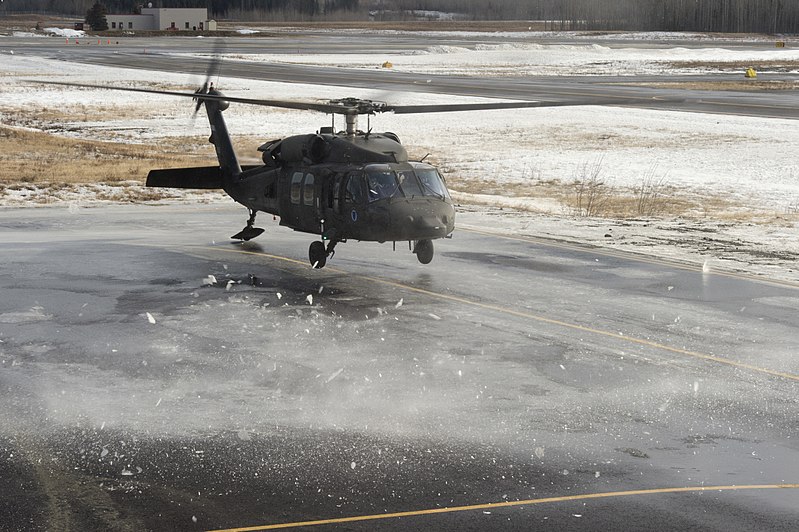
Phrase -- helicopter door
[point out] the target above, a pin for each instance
(310, 200)
(352, 195)
(308, 192)
(308, 208)
(292, 214)
(334, 194)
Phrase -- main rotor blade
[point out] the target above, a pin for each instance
(445, 108)
(354, 106)
(304, 106)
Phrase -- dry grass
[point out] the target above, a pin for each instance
(765, 66)
(31, 158)
(13, 21)
(742, 85)
(611, 201)
(38, 116)
(38, 157)
(653, 196)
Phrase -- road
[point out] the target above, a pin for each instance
(578, 388)
(160, 53)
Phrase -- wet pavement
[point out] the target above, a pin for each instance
(156, 376)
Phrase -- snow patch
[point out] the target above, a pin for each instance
(65, 32)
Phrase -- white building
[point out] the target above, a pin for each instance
(163, 18)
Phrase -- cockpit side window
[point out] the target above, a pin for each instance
(353, 193)
(382, 184)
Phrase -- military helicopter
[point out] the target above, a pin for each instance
(345, 185)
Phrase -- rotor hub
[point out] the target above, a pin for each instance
(357, 106)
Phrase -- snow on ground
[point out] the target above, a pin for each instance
(540, 59)
(521, 147)
(738, 159)
(65, 32)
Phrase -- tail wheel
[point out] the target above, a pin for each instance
(317, 254)
(424, 251)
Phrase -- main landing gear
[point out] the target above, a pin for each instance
(249, 232)
(318, 253)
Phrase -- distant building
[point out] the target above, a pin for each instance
(163, 18)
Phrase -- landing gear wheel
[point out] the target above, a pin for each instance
(317, 254)
(424, 251)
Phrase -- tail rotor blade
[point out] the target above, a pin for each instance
(215, 64)
(210, 73)
(201, 90)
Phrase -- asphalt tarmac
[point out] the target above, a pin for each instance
(510, 384)
(155, 376)
(164, 53)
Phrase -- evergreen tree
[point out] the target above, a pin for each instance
(95, 17)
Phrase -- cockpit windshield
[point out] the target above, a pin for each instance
(382, 183)
(409, 185)
(385, 182)
(432, 183)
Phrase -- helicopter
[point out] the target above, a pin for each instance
(338, 185)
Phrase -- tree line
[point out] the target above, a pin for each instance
(244, 10)
(732, 16)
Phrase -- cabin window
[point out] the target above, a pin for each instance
(296, 179)
(382, 184)
(333, 193)
(307, 190)
(408, 184)
(113, 25)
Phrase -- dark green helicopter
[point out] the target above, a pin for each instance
(345, 185)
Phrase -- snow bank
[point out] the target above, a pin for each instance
(525, 58)
(65, 32)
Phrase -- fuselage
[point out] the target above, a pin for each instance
(387, 201)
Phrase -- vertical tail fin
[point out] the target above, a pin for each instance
(220, 138)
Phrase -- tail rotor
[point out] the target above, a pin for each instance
(211, 72)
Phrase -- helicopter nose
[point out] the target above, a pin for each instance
(430, 222)
(423, 221)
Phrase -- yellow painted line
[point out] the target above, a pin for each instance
(507, 504)
(531, 316)
(622, 254)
